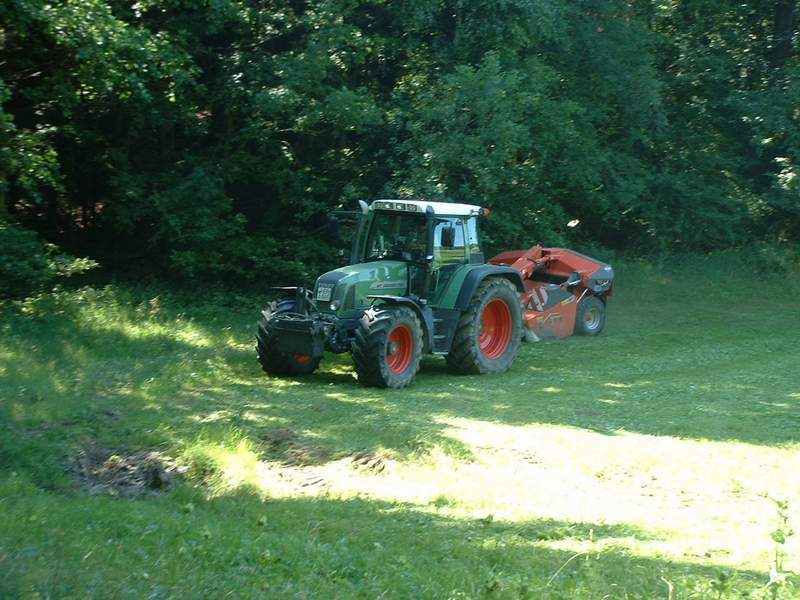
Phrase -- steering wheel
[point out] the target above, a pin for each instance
(397, 248)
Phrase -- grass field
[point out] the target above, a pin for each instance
(644, 463)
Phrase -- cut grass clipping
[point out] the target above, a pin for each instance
(144, 454)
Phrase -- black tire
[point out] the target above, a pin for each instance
(591, 316)
(272, 360)
(388, 347)
(466, 355)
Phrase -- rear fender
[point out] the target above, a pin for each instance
(425, 315)
(476, 276)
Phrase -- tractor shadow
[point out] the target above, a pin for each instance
(575, 382)
(694, 378)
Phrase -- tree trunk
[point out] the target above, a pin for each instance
(785, 22)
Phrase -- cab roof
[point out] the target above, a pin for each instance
(421, 206)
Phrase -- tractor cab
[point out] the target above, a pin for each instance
(416, 231)
(431, 238)
(402, 248)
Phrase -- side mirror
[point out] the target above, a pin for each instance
(448, 236)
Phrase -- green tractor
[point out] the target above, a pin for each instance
(417, 282)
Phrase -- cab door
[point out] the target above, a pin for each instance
(449, 253)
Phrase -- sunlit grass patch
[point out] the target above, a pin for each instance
(222, 466)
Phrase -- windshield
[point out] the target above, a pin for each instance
(399, 236)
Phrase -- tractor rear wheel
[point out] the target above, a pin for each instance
(489, 332)
(272, 360)
(388, 347)
(591, 316)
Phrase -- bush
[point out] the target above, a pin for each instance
(28, 265)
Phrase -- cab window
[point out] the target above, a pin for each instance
(449, 245)
(473, 241)
(396, 236)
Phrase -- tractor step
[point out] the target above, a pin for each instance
(444, 328)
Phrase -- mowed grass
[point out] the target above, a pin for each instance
(638, 464)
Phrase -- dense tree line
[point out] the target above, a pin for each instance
(210, 138)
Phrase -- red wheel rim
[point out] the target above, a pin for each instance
(496, 327)
(399, 348)
(303, 359)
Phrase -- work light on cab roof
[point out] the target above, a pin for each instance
(417, 282)
(438, 208)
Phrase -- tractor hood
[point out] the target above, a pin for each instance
(346, 290)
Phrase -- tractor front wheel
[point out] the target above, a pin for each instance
(489, 332)
(272, 360)
(591, 317)
(388, 347)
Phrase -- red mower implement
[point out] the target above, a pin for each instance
(565, 292)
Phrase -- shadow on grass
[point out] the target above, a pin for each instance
(322, 547)
(333, 407)
(140, 379)
(725, 385)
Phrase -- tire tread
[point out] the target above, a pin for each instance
(465, 354)
(369, 346)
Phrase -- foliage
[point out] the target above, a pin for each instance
(779, 579)
(210, 139)
(27, 265)
(625, 465)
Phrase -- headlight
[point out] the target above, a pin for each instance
(335, 305)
